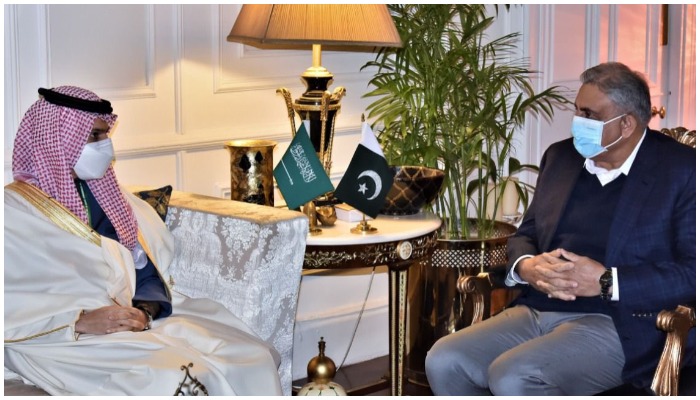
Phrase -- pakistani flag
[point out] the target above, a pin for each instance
(299, 174)
(368, 177)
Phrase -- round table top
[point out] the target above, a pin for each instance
(389, 229)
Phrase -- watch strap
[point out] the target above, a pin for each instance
(606, 282)
(149, 315)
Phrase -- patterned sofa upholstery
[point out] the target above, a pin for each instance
(245, 256)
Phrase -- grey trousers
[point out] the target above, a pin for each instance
(522, 352)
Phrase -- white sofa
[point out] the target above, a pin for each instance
(245, 256)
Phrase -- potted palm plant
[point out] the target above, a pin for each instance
(452, 98)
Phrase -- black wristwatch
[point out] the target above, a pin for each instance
(149, 316)
(606, 281)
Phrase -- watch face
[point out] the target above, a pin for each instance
(605, 282)
(606, 277)
(404, 250)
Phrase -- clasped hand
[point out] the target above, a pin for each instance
(562, 274)
(110, 319)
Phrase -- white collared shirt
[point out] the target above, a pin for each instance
(605, 176)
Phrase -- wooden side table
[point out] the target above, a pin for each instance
(398, 243)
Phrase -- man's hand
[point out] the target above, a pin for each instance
(111, 319)
(550, 274)
(574, 276)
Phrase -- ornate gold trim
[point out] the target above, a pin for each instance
(36, 335)
(367, 254)
(55, 211)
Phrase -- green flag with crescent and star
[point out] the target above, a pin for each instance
(368, 178)
(299, 174)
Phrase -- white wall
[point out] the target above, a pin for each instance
(181, 90)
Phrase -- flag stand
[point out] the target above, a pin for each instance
(309, 209)
(363, 228)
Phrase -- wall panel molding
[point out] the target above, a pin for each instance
(13, 114)
(43, 28)
(172, 143)
(113, 92)
(178, 34)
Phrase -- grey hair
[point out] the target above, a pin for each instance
(626, 88)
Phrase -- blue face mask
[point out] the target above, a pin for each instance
(588, 136)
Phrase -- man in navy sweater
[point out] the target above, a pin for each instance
(608, 242)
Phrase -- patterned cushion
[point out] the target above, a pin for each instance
(158, 198)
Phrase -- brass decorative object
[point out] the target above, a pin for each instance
(251, 171)
(320, 372)
(309, 209)
(320, 368)
(326, 215)
(269, 25)
(364, 228)
(660, 112)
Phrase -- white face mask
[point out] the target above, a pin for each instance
(94, 160)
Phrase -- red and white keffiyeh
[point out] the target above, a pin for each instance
(48, 143)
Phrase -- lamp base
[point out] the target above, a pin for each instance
(319, 107)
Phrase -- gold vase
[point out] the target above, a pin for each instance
(251, 171)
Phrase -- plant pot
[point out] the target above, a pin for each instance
(413, 188)
(436, 309)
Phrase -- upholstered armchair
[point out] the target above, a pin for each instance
(676, 323)
(245, 256)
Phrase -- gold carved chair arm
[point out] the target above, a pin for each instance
(676, 324)
(479, 288)
(681, 134)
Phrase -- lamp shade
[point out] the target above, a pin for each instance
(325, 24)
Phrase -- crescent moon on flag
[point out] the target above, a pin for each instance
(377, 182)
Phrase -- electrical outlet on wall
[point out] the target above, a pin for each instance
(222, 190)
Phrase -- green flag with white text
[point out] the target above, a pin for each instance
(299, 174)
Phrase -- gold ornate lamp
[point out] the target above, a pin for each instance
(316, 25)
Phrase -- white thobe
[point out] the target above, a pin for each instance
(52, 275)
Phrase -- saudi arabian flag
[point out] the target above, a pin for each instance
(299, 174)
(368, 178)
